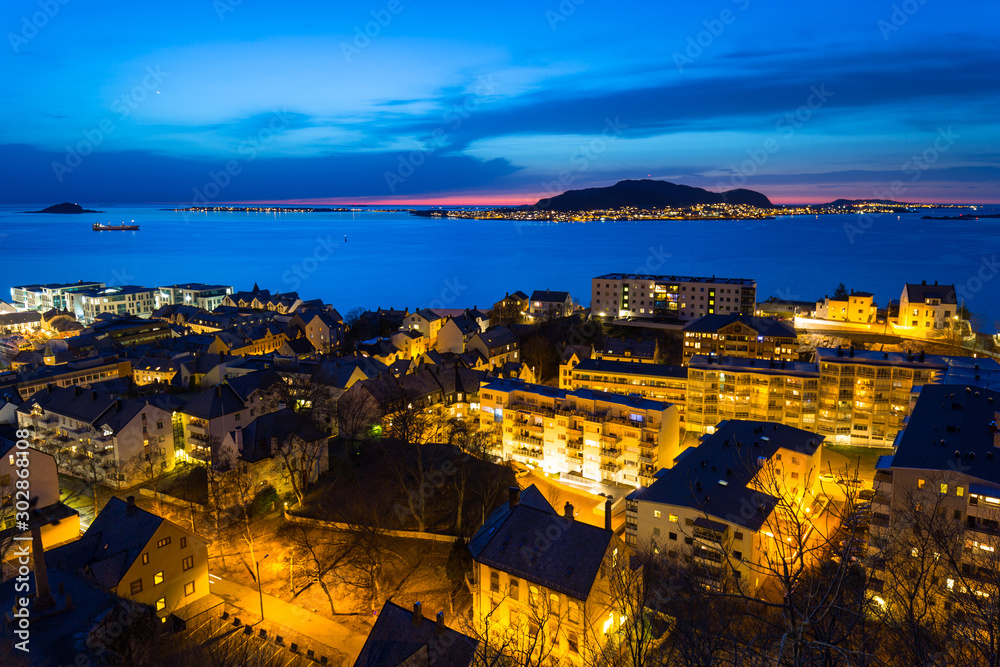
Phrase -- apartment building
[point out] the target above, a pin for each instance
(738, 335)
(59, 523)
(140, 556)
(206, 297)
(117, 432)
(587, 434)
(657, 382)
(726, 388)
(857, 308)
(49, 296)
(927, 307)
(717, 508)
(88, 304)
(544, 579)
(865, 395)
(946, 469)
(80, 372)
(670, 298)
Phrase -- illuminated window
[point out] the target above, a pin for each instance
(162, 543)
(574, 612)
(920, 483)
(514, 592)
(944, 489)
(959, 491)
(672, 517)
(656, 514)
(189, 588)
(158, 578)
(145, 559)
(161, 604)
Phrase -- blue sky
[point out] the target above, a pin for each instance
(242, 100)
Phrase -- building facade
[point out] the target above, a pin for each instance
(88, 304)
(585, 434)
(857, 308)
(47, 297)
(738, 335)
(207, 297)
(926, 307)
(657, 382)
(670, 298)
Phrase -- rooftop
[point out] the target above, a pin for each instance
(714, 478)
(630, 368)
(749, 282)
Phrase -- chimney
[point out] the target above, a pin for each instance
(118, 405)
(607, 514)
(239, 439)
(568, 511)
(935, 282)
(440, 623)
(418, 614)
(93, 395)
(130, 507)
(923, 282)
(513, 496)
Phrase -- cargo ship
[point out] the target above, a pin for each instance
(98, 227)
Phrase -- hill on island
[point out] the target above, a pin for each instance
(65, 207)
(855, 202)
(648, 194)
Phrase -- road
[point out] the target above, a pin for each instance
(343, 642)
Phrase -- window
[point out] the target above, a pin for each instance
(495, 582)
(135, 587)
(533, 596)
(959, 491)
(672, 536)
(574, 612)
(944, 489)
(738, 555)
(158, 578)
(161, 604)
(573, 642)
(514, 589)
(187, 563)
(162, 543)
(657, 514)
(673, 517)
(189, 588)
(795, 475)
(656, 532)
(738, 535)
(184, 542)
(145, 559)
(920, 483)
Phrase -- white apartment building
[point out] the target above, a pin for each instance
(671, 298)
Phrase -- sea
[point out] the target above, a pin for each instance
(376, 259)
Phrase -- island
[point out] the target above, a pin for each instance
(65, 207)
(963, 216)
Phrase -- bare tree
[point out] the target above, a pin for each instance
(299, 458)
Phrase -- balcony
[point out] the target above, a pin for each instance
(611, 467)
(574, 444)
(526, 453)
(610, 452)
(528, 440)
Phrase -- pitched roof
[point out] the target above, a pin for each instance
(395, 640)
(764, 326)
(244, 385)
(507, 542)
(85, 405)
(714, 478)
(112, 544)
(280, 424)
(214, 402)
(637, 348)
(952, 427)
(549, 296)
(920, 293)
(630, 367)
(497, 337)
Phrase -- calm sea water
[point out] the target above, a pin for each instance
(397, 260)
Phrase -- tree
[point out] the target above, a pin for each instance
(357, 412)
(841, 292)
(147, 467)
(539, 354)
(299, 458)
(367, 546)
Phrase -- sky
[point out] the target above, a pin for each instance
(420, 101)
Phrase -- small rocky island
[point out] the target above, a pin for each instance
(65, 207)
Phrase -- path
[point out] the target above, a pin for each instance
(340, 637)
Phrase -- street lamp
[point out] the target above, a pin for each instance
(259, 590)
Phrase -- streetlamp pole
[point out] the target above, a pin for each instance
(259, 590)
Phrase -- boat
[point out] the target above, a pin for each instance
(99, 227)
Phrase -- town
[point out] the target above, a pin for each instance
(680, 472)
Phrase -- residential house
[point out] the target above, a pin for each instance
(405, 638)
(498, 345)
(140, 556)
(266, 442)
(455, 334)
(118, 432)
(323, 329)
(738, 335)
(569, 357)
(511, 309)
(546, 305)
(723, 504)
(427, 322)
(561, 595)
(24, 322)
(856, 308)
(59, 522)
(411, 343)
(925, 308)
